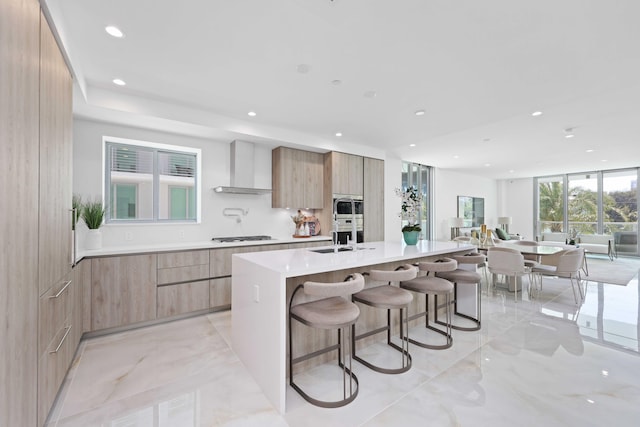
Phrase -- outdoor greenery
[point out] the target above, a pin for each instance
(618, 207)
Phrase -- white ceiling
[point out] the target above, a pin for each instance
(477, 68)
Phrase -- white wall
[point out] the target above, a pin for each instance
(451, 184)
(515, 199)
(262, 219)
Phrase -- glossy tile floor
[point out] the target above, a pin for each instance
(543, 361)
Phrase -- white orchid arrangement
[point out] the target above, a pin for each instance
(411, 202)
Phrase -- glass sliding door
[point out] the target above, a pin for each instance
(620, 209)
(582, 203)
(419, 176)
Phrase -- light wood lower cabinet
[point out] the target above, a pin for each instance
(220, 292)
(123, 290)
(183, 298)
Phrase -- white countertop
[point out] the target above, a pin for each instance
(186, 246)
(297, 262)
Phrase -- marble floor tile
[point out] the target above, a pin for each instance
(542, 360)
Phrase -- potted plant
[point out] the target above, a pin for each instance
(411, 202)
(93, 215)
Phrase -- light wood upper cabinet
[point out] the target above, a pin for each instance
(346, 172)
(55, 162)
(373, 200)
(297, 178)
(123, 290)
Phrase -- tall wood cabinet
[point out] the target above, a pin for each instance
(297, 178)
(373, 200)
(19, 117)
(37, 296)
(344, 173)
(59, 331)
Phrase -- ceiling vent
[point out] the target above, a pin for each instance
(242, 178)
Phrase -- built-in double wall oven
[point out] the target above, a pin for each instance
(345, 217)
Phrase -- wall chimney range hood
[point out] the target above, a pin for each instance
(242, 171)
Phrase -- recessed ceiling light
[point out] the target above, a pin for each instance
(412, 145)
(303, 68)
(589, 151)
(114, 31)
(336, 82)
(251, 113)
(603, 160)
(419, 113)
(486, 140)
(370, 94)
(456, 157)
(536, 113)
(570, 135)
(487, 164)
(511, 171)
(119, 82)
(338, 134)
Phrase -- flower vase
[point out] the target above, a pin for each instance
(411, 237)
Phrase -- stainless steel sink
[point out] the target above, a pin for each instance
(340, 249)
(330, 250)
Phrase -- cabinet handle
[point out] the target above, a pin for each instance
(64, 288)
(74, 215)
(64, 337)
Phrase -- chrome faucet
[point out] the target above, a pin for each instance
(354, 232)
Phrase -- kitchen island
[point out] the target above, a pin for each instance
(262, 284)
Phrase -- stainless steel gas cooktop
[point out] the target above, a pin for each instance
(240, 238)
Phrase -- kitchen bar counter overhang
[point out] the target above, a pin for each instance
(259, 298)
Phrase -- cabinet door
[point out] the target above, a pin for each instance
(373, 200)
(183, 298)
(82, 280)
(346, 174)
(220, 293)
(123, 290)
(19, 114)
(297, 178)
(55, 163)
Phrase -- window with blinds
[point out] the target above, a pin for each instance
(148, 182)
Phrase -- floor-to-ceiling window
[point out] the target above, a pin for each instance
(603, 202)
(419, 176)
(551, 196)
(620, 208)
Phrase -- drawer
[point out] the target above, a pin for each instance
(183, 259)
(183, 298)
(220, 292)
(54, 307)
(53, 365)
(182, 274)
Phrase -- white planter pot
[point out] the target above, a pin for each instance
(93, 240)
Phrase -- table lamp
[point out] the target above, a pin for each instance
(456, 224)
(504, 222)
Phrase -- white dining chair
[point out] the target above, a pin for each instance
(508, 262)
(569, 266)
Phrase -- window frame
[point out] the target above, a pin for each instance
(155, 148)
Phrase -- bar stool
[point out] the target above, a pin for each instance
(387, 297)
(333, 311)
(431, 285)
(462, 276)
